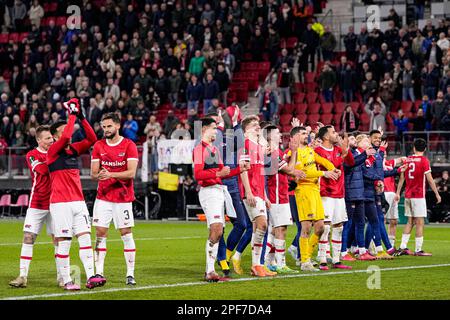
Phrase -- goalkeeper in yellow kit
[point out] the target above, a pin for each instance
(307, 194)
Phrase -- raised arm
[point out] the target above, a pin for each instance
(63, 141)
(83, 146)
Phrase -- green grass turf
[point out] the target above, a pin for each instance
(173, 253)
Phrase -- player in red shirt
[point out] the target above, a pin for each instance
(114, 163)
(417, 172)
(333, 195)
(213, 195)
(38, 209)
(389, 194)
(67, 206)
(278, 191)
(252, 189)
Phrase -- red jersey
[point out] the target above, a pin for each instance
(389, 182)
(418, 167)
(277, 183)
(62, 161)
(40, 179)
(114, 158)
(255, 153)
(329, 187)
(207, 162)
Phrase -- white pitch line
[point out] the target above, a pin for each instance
(189, 284)
(113, 240)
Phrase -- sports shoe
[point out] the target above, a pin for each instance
(19, 282)
(272, 268)
(298, 263)
(307, 266)
(70, 286)
(237, 265)
(329, 259)
(258, 271)
(293, 251)
(323, 267)
(347, 257)
(60, 282)
(339, 265)
(391, 251)
(101, 278)
(421, 253)
(403, 252)
(285, 270)
(226, 273)
(382, 255)
(94, 282)
(366, 257)
(210, 277)
(268, 272)
(130, 281)
(315, 263)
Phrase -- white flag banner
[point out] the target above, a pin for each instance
(174, 151)
(144, 167)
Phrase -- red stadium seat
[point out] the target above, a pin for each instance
(300, 108)
(313, 108)
(356, 107)
(327, 107)
(417, 104)
(299, 97)
(14, 37)
(310, 77)
(406, 106)
(339, 107)
(299, 87)
(285, 119)
(364, 118)
(22, 202)
(286, 128)
(4, 38)
(311, 87)
(313, 119)
(311, 97)
(302, 118)
(291, 42)
(5, 202)
(337, 121)
(326, 118)
(395, 105)
(23, 35)
(60, 21)
(288, 108)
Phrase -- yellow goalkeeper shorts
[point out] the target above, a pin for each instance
(309, 204)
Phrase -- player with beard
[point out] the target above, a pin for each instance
(114, 163)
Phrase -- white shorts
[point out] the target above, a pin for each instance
(70, 218)
(35, 219)
(393, 206)
(120, 213)
(280, 215)
(335, 210)
(212, 200)
(258, 210)
(416, 208)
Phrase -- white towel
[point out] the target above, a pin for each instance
(229, 208)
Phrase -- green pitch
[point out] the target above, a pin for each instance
(170, 265)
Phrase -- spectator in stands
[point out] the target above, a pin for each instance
(223, 80)
(175, 84)
(430, 79)
(346, 77)
(130, 128)
(350, 43)
(152, 124)
(406, 79)
(211, 91)
(438, 110)
(377, 112)
(214, 108)
(181, 132)
(327, 81)
(285, 83)
(18, 142)
(311, 39)
(3, 152)
(426, 107)
(162, 85)
(434, 53)
(171, 122)
(443, 182)
(194, 93)
(268, 103)
(328, 44)
(18, 13)
(196, 64)
(419, 124)
(369, 87)
(152, 100)
(36, 13)
(229, 62)
(401, 123)
(349, 120)
(141, 115)
(112, 90)
(443, 43)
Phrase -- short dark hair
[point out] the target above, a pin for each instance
(207, 121)
(247, 120)
(371, 133)
(323, 131)
(111, 116)
(54, 127)
(211, 114)
(296, 130)
(265, 124)
(41, 129)
(420, 145)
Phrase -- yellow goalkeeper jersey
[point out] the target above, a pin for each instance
(307, 161)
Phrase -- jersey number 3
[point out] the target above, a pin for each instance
(127, 214)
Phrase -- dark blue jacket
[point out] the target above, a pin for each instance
(234, 141)
(374, 173)
(211, 90)
(354, 182)
(194, 93)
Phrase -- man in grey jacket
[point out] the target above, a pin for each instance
(377, 112)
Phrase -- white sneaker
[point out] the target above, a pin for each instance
(293, 251)
(308, 266)
(298, 263)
